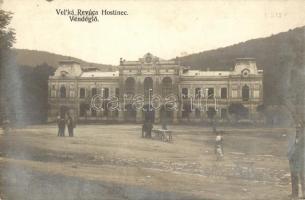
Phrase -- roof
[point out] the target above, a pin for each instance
(245, 59)
(68, 61)
(206, 73)
(100, 74)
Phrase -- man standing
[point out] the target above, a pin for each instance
(70, 125)
(147, 128)
(62, 126)
(58, 125)
(296, 162)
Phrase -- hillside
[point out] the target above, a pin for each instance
(34, 58)
(276, 55)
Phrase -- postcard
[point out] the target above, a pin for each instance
(160, 100)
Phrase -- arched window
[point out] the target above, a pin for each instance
(62, 92)
(167, 87)
(245, 93)
(148, 87)
(130, 86)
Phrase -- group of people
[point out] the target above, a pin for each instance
(148, 126)
(62, 121)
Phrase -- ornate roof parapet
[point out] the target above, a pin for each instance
(147, 59)
(68, 68)
(245, 66)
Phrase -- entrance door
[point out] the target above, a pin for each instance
(148, 88)
(149, 113)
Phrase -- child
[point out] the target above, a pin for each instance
(218, 147)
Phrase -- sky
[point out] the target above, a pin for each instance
(164, 28)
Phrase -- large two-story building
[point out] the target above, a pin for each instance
(164, 84)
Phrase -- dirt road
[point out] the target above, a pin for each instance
(114, 162)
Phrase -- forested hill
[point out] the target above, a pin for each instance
(25, 57)
(274, 54)
(267, 51)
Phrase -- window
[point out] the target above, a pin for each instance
(245, 93)
(148, 87)
(167, 86)
(197, 93)
(62, 92)
(184, 93)
(106, 92)
(130, 85)
(117, 92)
(210, 93)
(93, 91)
(224, 93)
(82, 93)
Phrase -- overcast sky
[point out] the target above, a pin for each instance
(166, 29)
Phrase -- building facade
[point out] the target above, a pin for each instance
(163, 88)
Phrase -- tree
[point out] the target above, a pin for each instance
(35, 91)
(7, 39)
(211, 113)
(7, 35)
(239, 110)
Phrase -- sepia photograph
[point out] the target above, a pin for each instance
(152, 100)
